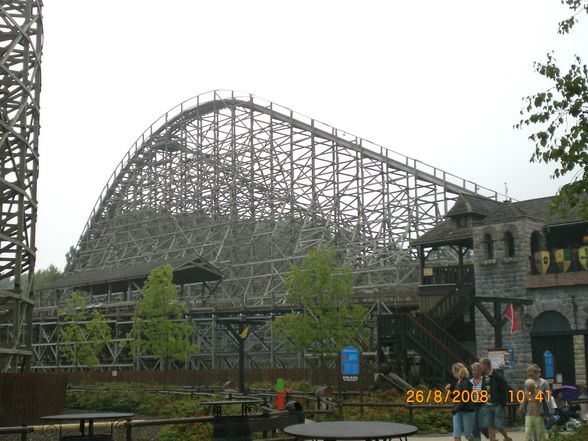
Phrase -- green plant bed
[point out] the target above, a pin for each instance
(132, 398)
(136, 398)
(184, 432)
(426, 420)
(580, 434)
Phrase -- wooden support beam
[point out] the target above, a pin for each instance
(506, 300)
(485, 312)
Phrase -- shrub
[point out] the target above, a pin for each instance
(580, 434)
(185, 432)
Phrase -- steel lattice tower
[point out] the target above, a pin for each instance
(21, 37)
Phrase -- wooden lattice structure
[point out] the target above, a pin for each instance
(250, 187)
(21, 35)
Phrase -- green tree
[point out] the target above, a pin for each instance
(47, 275)
(82, 334)
(159, 327)
(42, 278)
(328, 322)
(560, 116)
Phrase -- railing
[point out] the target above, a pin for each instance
(465, 356)
(445, 275)
(429, 346)
(23, 431)
(128, 425)
(452, 305)
(429, 339)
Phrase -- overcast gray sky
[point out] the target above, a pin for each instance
(440, 81)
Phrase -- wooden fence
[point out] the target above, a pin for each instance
(24, 397)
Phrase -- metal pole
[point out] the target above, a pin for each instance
(497, 325)
(241, 358)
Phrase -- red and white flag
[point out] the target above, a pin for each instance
(510, 314)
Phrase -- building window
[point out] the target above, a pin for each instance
(509, 245)
(462, 221)
(537, 242)
(488, 247)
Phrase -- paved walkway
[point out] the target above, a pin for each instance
(515, 434)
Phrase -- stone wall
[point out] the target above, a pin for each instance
(503, 276)
(580, 358)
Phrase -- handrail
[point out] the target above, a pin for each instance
(16, 430)
(428, 339)
(449, 275)
(166, 421)
(448, 339)
(449, 302)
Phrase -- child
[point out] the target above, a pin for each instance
(534, 409)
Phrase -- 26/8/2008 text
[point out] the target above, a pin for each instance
(445, 396)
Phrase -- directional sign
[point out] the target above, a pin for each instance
(549, 367)
(350, 364)
(510, 359)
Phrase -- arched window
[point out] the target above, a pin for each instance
(488, 247)
(550, 322)
(537, 242)
(509, 245)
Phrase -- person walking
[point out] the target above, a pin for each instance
(463, 409)
(534, 407)
(476, 381)
(534, 373)
(492, 413)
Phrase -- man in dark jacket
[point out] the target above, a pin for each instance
(492, 413)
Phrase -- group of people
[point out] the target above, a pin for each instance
(479, 402)
(473, 414)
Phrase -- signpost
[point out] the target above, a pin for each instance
(509, 359)
(280, 394)
(350, 364)
(496, 357)
(502, 358)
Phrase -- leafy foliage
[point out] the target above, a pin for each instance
(323, 289)
(42, 277)
(124, 397)
(139, 399)
(561, 115)
(159, 328)
(185, 432)
(580, 434)
(82, 335)
(47, 275)
(577, 7)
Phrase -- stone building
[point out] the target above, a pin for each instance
(488, 255)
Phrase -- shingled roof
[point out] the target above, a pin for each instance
(539, 209)
(444, 234)
(187, 270)
(447, 232)
(473, 204)
(489, 211)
